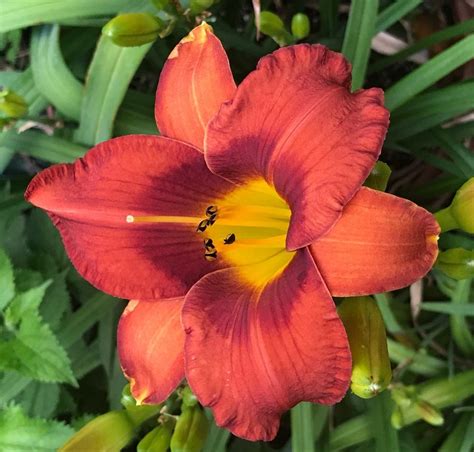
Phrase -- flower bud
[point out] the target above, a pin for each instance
(189, 399)
(378, 177)
(300, 26)
(158, 440)
(271, 25)
(462, 207)
(11, 104)
(198, 6)
(457, 263)
(371, 371)
(191, 430)
(133, 29)
(429, 413)
(110, 431)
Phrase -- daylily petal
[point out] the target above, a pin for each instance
(151, 348)
(89, 202)
(252, 353)
(295, 122)
(194, 82)
(380, 243)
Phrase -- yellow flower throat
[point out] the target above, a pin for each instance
(247, 229)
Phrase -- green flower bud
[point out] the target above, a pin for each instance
(270, 24)
(158, 440)
(12, 105)
(198, 6)
(111, 431)
(378, 177)
(371, 371)
(429, 413)
(457, 263)
(462, 207)
(191, 430)
(189, 399)
(300, 26)
(133, 29)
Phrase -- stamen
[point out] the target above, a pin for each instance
(209, 245)
(211, 220)
(211, 210)
(211, 255)
(202, 226)
(229, 239)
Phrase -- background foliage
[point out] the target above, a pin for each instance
(58, 361)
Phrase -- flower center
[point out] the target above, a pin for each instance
(245, 229)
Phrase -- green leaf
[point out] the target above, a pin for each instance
(302, 434)
(24, 13)
(430, 109)
(52, 77)
(449, 308)
(25, 303)
(56, 302)
(40, 399)
(12, 384)
(460, 329)
(44, 238)
(217, 437)
(461, 438)
(36, 353)
(358, 38)
(328, 13)
(379, 413)
(444, 35)
(49, 148)
(20, 433)
(378, 177)
(110, 73)
(7, 284)
(394, 13)
(429, 73)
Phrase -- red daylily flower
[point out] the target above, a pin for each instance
(234, 228)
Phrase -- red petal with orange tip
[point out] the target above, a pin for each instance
(295, 122)
(380, 243)
(150, 346)
(194, 82)
(253, 353)
(137, 175)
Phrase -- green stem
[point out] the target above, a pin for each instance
(302, 434)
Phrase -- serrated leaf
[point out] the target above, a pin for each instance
(7, 283)
(25, 303)
(35, 352)
(20, 433)
(26, 279)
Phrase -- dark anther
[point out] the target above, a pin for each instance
(211, 220)
(211, 255)
(229, 239)
(202, 226)
(211, 210)
(209, 245)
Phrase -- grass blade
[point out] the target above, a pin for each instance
(110, 73)
(460, 330)
(302, 434)
(429, 73)
(24, 13)
(52, 77)
(393, 13)
(358, 38)
(462, 310)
